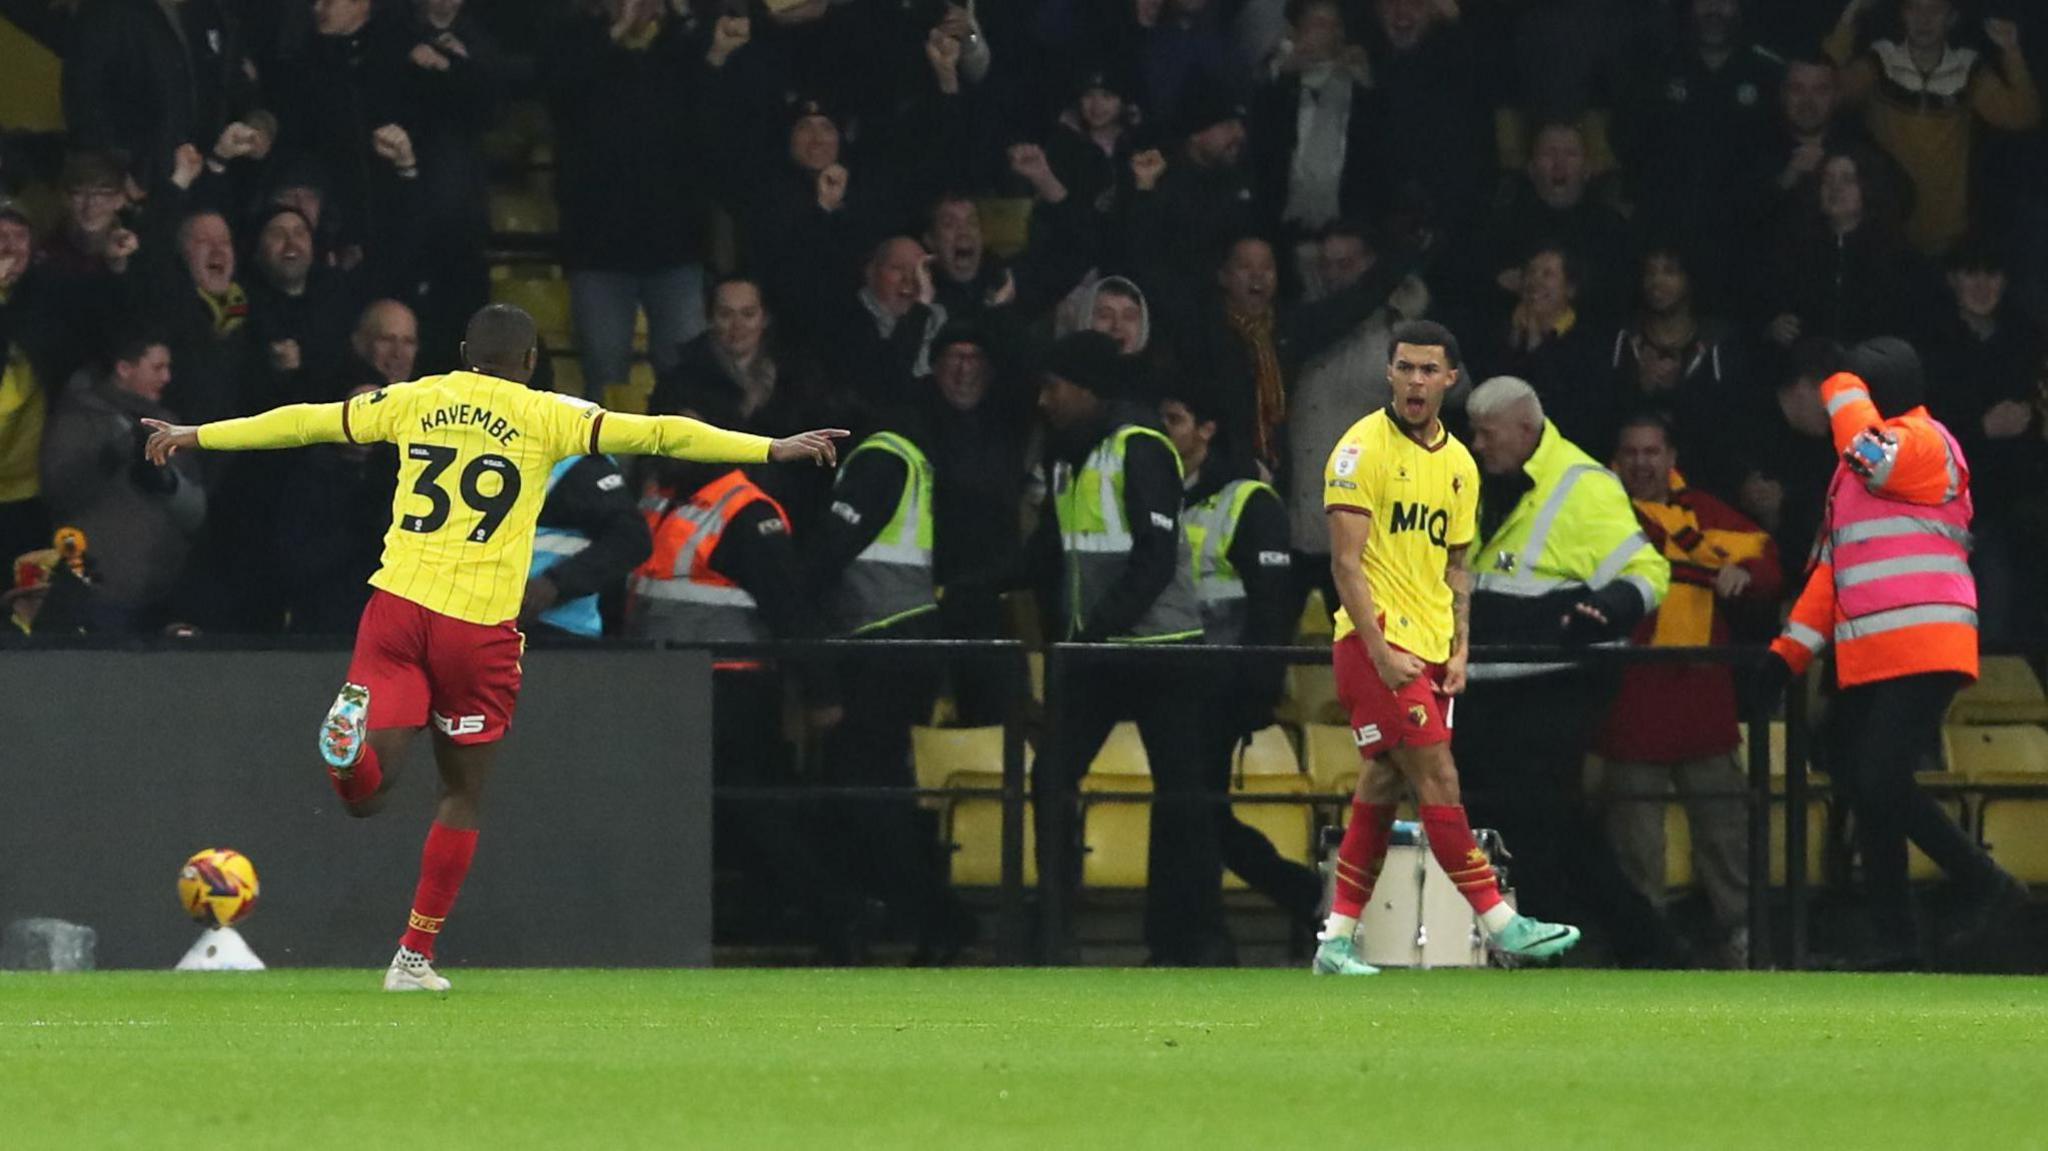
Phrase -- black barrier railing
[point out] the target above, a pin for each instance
(1014, 934)
(1055, 895)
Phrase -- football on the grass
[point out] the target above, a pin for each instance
(218, 886)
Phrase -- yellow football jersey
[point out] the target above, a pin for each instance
(1423, 502)
(474, 452)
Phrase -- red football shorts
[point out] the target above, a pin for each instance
(1382, 719)
(420, 664)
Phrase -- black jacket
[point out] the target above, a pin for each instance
(631, 178)
(334, 97)
(1152, 503)
(1272, 136)
(134, 82)
(592, 497)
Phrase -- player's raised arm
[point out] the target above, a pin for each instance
(683, 438)
(291, 426)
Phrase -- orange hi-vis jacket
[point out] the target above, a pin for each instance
(1890, 583)
(677, 594)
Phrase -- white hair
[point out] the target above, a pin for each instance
(1505, 397)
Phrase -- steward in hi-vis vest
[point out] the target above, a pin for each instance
(1889, 588)
(1125, 576)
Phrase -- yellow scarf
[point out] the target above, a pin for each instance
(1256, 330)
(1686, 618)
(230, 311)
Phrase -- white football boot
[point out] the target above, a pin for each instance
(410, 971)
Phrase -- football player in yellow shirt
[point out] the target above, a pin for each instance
(1402, 496)
(438, 639)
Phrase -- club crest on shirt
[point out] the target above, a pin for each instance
(1418, 715)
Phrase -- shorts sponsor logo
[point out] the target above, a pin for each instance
(459, 724)
(1366, 736)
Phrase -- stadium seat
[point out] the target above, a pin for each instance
(1777, 747)
(568, 372)
(1816, 842)
(1332, 758)
(632, 396)
(1122, 754)
(1291, 826)
(2016, 832)
(1312, 695)
(1677, 847)
(1921, 869)
(937, 753)
(545, 296)
(1268, 752)
(2000, 752)
(2006, 691)
(520, 212)
(974, 831)
(1005, 224)
(1116, 837)
(1315, 623)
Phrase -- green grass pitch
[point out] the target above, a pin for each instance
(1046, 1059)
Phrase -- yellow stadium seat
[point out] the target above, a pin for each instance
(1777, 746)
(1919, 868)
(1269, 752)
(632, 396)
(1984, 753)
(1312, 695)
(2016, 831)
(1332, 758)
(974, 829)
(1677, 847)
(1291, 826)
(937, 753)
(1816, 842)
(1005, 224)
(568, 374)
(546, 298)
(1035, 664)
(1116, 837)
(2006, 691)
(1123, 753)
(1315, 623)
(519, 212)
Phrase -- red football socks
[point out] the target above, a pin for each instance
(1360, 856)
(1450, 840)
(443, 865)
(362, 783)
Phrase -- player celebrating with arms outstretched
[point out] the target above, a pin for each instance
(437, 640)
(1402, 498)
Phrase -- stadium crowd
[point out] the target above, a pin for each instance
(1668, 217)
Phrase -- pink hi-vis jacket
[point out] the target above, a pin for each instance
(1890, 585)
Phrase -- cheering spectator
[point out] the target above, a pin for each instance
(331, 520)
(745, 369)
(1544, 341)
(1186, 210)
(1434, 135)
(94, 240)
(1980, 355)
(879, 338)
(456, 75)
(1090, 151)
(1923, 96)
(1786, 457)
(1688, 134)
(141, 520)
(145, 78)
(1786, 178)
(1312, 150)
(1846, 273)
(1673, 360)
(633, 200)
(345, 106)
(386, 341)
(300, 314)
(1335, 389)
(1552, 206)
(23, 376)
